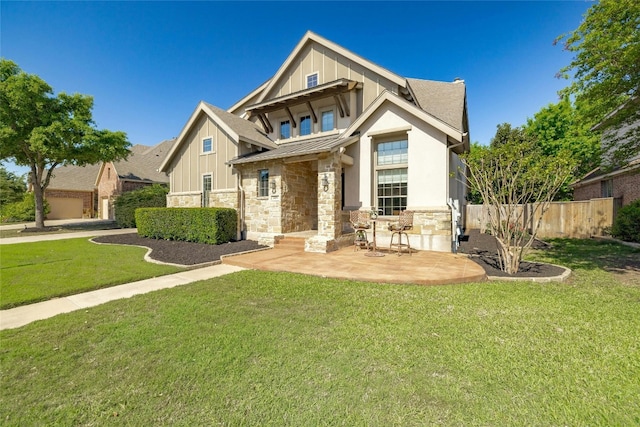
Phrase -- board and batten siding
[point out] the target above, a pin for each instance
(330, 66)
(190, 164)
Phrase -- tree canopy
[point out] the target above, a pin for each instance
(563, 128)
(606, 73)
(43, 131)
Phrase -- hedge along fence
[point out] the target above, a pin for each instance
(201, 225)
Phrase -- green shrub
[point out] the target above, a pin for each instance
(126, 204)
(626, 226)
(22, 211)
(201, 225)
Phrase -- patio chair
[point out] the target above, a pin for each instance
(361, 222)
(405, 223)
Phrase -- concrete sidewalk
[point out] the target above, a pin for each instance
(20, 316)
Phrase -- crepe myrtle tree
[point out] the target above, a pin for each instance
(43, 131)
(516, 183)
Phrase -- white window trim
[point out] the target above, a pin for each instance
(335, 121)
(306, 79)
(381, 139)
(213, 145)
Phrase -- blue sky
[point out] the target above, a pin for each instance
(148, 64)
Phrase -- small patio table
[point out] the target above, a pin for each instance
(374, 247)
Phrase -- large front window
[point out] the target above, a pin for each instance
(391, 176)
(327, 121)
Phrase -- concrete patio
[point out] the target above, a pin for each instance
(421, 267)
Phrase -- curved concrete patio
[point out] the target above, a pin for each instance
(421, 267)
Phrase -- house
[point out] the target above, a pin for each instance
(89, 191)
(71, 192)
(620, 182)
(139, 170)
(328, 133)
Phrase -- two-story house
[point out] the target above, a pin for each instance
(329, 132)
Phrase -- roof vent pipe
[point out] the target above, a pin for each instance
(458, 80)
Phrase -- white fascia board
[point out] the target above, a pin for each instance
(387, 96)
(311, 36)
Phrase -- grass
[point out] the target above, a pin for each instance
(32, 272)
(258, 348)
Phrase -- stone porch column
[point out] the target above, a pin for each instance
(329, 201)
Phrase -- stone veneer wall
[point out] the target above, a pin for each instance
(184, 200)
(299, 201)
(262, 214)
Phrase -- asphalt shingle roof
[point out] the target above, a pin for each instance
(443, 100)
(245, 129)
(143, 163)
(76, 178)
(292, 149)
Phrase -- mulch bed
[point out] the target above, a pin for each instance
(483, 249)
(183, 253)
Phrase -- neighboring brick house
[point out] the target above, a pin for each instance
(329, 132)
(71, 192)
(622, 182)
(139, 170)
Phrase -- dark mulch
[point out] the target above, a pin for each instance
(483, 249)
(184, 253)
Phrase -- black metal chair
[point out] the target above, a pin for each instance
(404, 224)
(361, 222)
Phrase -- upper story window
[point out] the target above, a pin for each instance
(263, 183)
(305, 125)
(312, 80)
(285, 129)
(207, 145)
(327, 121)
(391, 161)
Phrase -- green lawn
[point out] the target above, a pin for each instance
(31, 272)
(258, 348)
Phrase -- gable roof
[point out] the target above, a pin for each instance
(236, 127)
(74, 178)
(144, 162)
(456, 135)
(310, 37)
(443, 100)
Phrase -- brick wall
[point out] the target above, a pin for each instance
(625, 187)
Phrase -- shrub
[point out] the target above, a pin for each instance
(201, 225)
(126, 204)
(626, 226)
(22, 211)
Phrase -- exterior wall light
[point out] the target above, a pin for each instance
(325, 183)
(273, 186)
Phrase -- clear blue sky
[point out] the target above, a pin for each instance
(148, 64)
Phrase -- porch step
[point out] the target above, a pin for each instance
(291, 243)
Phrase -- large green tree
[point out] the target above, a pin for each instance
(12, 187)
(606, 73)
(562, 128)
(43, 131)
(516, 182)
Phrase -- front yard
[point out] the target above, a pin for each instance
(258, 348)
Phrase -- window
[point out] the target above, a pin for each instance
(263, 183)
(305, 125)
(207, 186)
(207, 145)
(285, 129)
(327, 121)
(606, 188)
(312, 80)
(392, 176)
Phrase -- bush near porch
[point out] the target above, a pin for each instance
(200, 225)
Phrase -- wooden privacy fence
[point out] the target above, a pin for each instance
(582, 219)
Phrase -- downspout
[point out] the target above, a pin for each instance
(242, 231)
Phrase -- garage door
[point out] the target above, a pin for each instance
(64, 208)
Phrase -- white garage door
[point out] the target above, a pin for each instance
(64, 208)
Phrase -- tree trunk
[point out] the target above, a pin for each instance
(39, 199)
